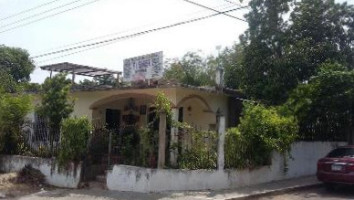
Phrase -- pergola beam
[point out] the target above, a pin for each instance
(82, 70)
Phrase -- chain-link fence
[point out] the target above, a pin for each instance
(37, 138)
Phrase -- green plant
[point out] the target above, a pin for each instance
(13, 109)
(56, 104)
(148, 140)
(162, 103)
(75, 133)
(261, 131)
(201, 152)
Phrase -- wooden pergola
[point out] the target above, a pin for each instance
(82, 70)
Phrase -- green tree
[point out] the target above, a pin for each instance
(56, 104)
(13, 108)
(7, 83)
(320, 31)
(231, 59)
(100, 80)
(265, 77)
(278, 55)
(16, 62)
(105, 80)
(324, 107)
(192, 69)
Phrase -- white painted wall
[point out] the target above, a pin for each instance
(137, 179)
(67, 178)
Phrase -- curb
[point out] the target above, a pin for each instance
(277, 191)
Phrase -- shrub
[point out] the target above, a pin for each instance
(74, 139)
(261, 131)
(201, 153)
(13, 111)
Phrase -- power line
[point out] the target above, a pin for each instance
(38, 14)
(135, 34)
(48, 16)
(28, 10)
(237, 4)
(120, 32)
(206, 7)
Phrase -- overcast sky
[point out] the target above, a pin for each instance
(120, 18)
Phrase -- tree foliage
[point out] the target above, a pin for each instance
(74, 139)
(16, 62)
(261, 131)
(56, 105)
(280, 54)
(192, 69)
(324, 107)
(13, 109)
(232, 61)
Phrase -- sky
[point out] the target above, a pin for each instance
(117, 18)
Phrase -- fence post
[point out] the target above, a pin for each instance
(220, 119)
(174, 139)
(162, 140)
(109, 148)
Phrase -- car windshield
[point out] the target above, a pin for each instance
(341, 152)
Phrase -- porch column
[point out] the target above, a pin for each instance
(162, 141)
(174, 139)
(220, 119)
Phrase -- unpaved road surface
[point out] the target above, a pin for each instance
(10, 189)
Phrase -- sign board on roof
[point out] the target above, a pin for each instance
(144, 67)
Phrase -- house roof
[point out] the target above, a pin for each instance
(79, 69)
(162, 84)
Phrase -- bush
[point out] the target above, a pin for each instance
(261, 131)
(74, 139)
(13, 111)
(202, 151)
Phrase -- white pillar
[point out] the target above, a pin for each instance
(221, 142)
(162, 141)
(174, 139)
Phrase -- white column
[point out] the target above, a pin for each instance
(221, 142)
(174, 139)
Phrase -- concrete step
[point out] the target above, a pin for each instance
(97, 185)
(101, 178)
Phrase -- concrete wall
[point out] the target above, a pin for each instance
(67, 178)
(305, 156)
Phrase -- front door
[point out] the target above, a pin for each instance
(113, 119)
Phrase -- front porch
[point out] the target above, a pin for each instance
(127, 114)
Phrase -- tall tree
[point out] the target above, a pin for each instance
(279, 54)
(231, 60)
(320, 31)
(56, 104)
(263, 50)
(16, 62)
(192, 69)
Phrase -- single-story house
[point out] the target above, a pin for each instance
(133, 105)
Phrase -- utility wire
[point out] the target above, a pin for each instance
(206, 7)
(237, 4)
(38, 14)
(117, 33)
(28, 10)
(48, 16)
(135, 34)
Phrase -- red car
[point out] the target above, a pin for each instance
(337, 167)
